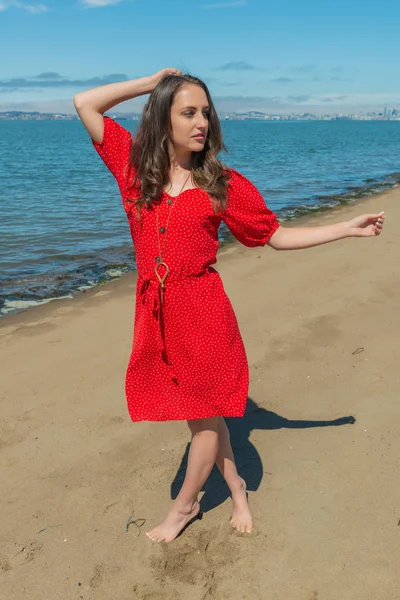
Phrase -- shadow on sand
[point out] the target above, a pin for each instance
(247, 459)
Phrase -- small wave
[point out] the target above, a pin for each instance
(321, 203)
(114, 272)
(11, 306)
(22, 293)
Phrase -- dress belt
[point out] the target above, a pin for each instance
(150, 293)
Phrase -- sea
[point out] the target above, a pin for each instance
(63, 229)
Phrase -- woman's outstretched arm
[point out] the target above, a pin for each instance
(297, 238)
(91, 104)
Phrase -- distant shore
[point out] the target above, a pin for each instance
(384, 115)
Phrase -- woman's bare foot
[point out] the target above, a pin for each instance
(241, 516)
(173, 524)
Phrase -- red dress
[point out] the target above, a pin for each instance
(188, 360)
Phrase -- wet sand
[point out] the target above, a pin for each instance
(319, 445)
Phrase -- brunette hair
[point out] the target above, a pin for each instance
(149, 152)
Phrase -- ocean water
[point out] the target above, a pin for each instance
(63, 228)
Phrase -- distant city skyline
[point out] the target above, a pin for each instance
(387, 114)
(255, 55)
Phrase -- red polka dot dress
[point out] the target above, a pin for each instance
(188, 360)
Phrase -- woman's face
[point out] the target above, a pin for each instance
(189, 118)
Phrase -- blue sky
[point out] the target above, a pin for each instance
(273, 55)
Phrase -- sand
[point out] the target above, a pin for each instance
(319, 445)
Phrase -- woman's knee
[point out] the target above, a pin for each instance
(199, 425)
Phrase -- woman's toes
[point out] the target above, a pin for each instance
(241, 527)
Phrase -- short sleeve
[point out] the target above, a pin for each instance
(114, 150)
(247, 216)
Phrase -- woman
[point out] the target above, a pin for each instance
(188, 361)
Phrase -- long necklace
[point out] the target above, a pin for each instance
(164, 230)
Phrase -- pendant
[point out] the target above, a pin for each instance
(163, 278)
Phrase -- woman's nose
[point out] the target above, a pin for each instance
(202, 122)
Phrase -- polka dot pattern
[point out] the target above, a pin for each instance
(188, 359)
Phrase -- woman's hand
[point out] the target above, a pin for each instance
(366, 225)
(161, 74)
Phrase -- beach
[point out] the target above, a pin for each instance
(319, 445)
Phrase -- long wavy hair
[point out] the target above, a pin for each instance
(149, 152)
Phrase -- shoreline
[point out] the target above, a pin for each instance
(299, 221)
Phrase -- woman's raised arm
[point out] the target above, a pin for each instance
(91, 104)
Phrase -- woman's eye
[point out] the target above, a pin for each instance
(191, 113)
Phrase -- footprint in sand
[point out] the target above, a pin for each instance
(103, 574)
(147, 592)
(196, 560)
(4, 563)
(107, 420)
(21, 554)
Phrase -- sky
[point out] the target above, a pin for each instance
(277, 56)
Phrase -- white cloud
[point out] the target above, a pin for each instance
(98, 3)
(225, 4)
(31, 8)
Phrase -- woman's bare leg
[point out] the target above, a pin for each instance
(201, 459)
(241, 516)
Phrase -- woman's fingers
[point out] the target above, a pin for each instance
(163, 73)
(171, 71)
(378, 220)
(378, 223)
